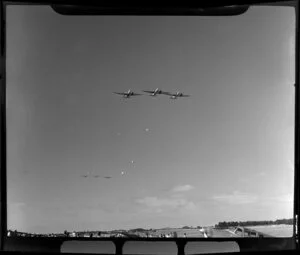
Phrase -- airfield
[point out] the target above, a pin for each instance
(192, 233)
(282, 230)
(279, 230)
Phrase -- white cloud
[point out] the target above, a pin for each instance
(262, 174)
(175, 200)
(158, 202)
(16, 205)
(236, 197)
(165, 203)
(182, 188)
(285, 198)
(16, 219)
(290, 165)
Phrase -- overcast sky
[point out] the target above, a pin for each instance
(225, 153)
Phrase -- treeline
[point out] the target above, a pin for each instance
(191, 227)
(228, 224)
(138, 230)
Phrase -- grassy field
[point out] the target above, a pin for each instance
(222, 233)
(272, 230)
(211, 232)
(180, 232)
(275, 230)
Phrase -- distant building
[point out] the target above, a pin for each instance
(73, 234)
(105, 235)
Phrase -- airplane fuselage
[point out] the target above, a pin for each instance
(156, 92)
(128, 94)
(178, 94)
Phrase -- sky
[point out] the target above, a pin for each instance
(223, 154)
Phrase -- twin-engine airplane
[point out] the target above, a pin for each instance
(127, 94)
(152, 93)
(89, 175)
(176, 95)
(155, 92)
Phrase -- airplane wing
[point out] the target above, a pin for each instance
(107, 177)
(118, 93)
(148, 91)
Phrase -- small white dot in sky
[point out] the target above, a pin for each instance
(119, 134)
(147, 129)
